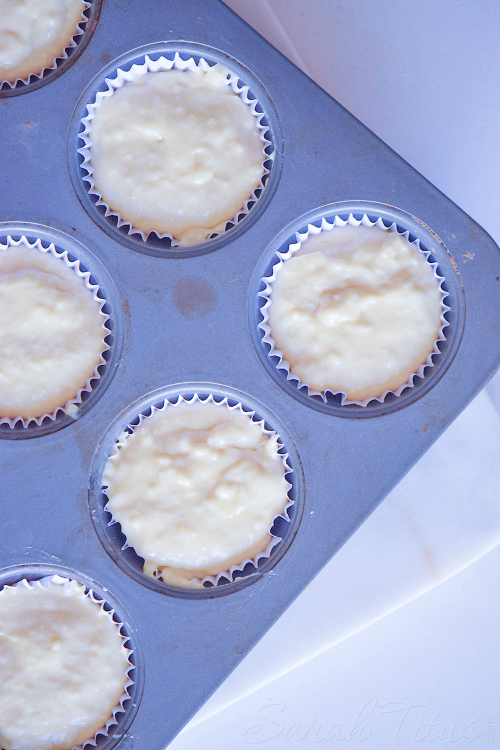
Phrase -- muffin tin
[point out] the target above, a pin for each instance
(187, 322)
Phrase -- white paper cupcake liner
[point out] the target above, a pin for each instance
(266, 294)
(71, 407)
(56, 61)
(120, 708)
(150, 568)
(136, 72)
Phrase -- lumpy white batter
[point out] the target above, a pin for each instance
(176, 152)
(51, 333)
(62, 667)
(196, 488)
(355, 310)
(33, 33)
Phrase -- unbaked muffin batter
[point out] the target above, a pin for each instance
(51, 334)
(196, 488)
(33, 33)
(176, 152)
(355, 310)
(63, 667)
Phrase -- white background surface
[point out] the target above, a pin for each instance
(424, 76)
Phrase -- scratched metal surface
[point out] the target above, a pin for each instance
(325, 157)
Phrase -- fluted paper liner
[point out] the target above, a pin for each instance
(56, 61)
(45, 582)
(150, 568)
(71, 406)
(137, 71)
(292, 249)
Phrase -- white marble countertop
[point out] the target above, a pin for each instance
(395, 642)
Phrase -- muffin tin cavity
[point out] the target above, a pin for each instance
(100, 285)
(70, 53)
(392, 220)
(284, 526)
(133, 66)
(42, 574)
